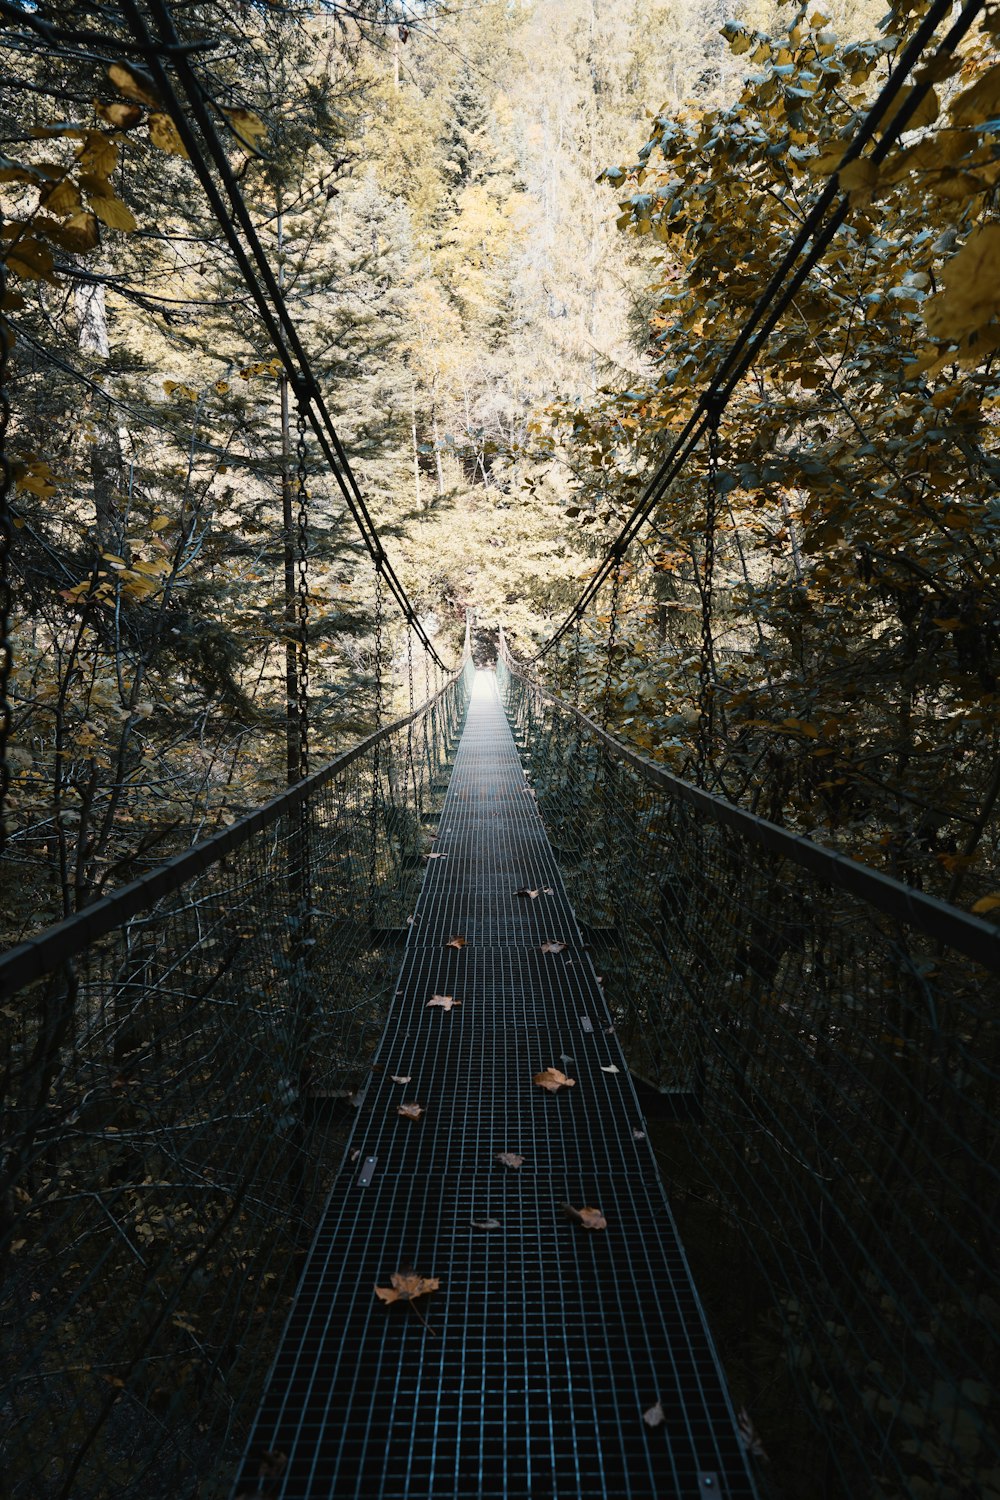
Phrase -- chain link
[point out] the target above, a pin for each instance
(616, 583)
(706, 668)
(6, 547)
(302, 599)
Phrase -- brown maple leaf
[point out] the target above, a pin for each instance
(407, 1286)
(444, 1001)
(554, 945)
(510, 1158)
(455, 942)
(553, 1080)
(587, 1218)
(410, 1111)
(401, 1078)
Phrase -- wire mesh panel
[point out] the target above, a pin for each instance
(530, 1367)
(837, 1036)
(176, 1062)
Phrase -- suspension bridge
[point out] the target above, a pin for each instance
(329, 1161)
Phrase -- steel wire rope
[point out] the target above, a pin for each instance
(706, 667)
(376, 754)
(269, 298)
(780, 290)
(6, 547)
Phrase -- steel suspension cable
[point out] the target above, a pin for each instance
(265, 291)
(780, 290)
(6, 543)
(302, 599)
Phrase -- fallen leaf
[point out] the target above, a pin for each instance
(510, 1158)
(525, 892)
(407, 1285)
(610, 1069)
(435, 855)
(553, 946)
(455, 942)
(445, 1001)
(638, 1135)
(355, 1153)
(400, 1078)
(485, 1223)
(410, 1111)
(548, 891)
(553, 1080)
(655, 1416)
(987, 903)
(587, 1218)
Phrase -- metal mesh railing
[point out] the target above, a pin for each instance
(831, 1039)
(177, 1062)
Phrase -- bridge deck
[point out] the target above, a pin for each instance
(546, 1342)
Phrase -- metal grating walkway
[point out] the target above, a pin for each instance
(548, 1341)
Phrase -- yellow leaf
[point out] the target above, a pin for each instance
(971, 287)
(160, 523)
(80, 233)
(163, 134)
(63, 198)
(114, 213)
(826, 162)
(987, 903)
(247, 126)
(858, 176)
(980, 102)
(30, 260)
(925, 113)
(133, 83)
(119, 116)
(98, 153)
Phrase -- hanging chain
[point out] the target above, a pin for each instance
(6, 547)
(706, 669)
(409, 665)
(427, 675)
(302, 601)
(616, 582)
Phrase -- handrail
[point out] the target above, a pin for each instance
(961, 930)
(62, 941)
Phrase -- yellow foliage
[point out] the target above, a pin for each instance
(971, 294)
(164, 135)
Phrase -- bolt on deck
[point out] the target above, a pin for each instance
(528, 1372)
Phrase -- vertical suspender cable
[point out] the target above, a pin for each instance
(6, 545)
